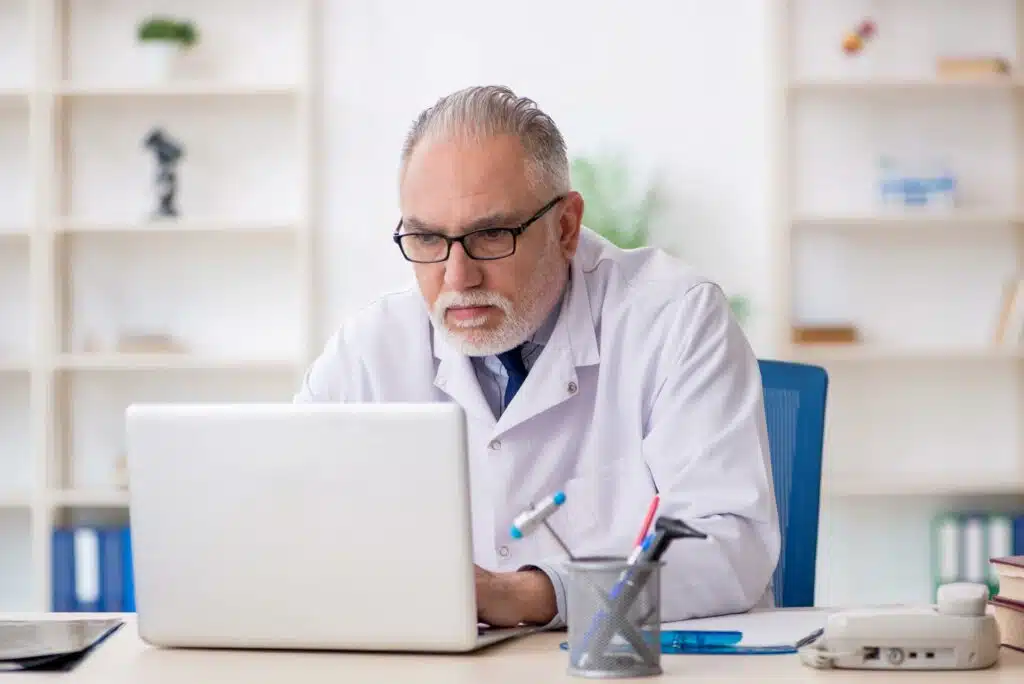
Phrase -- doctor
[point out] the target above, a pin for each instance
(610, 375)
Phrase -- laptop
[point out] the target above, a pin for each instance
(303, 526)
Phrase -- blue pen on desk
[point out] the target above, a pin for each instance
(686, 641)
(673, 641)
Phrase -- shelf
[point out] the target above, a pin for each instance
(11, 95)
(909, 484)
(190, 226)
(84, 261)
(12, 232)
(867, 221)
(864, 353)
(147, 362)
(909, 86)
(90, 498)
(15, 365)
(179, 89)
(9, 500)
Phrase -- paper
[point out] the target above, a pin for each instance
(779, 627)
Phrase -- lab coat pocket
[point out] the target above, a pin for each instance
(605, 507)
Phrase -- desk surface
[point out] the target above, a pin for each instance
(126, 658)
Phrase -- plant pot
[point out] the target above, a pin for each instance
(160, 58)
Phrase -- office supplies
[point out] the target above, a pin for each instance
(251, 527)
(690, 641)
(593, 583)
(772, 631)
(963, 542)
(651, 510)
(640, 549)
(956, 634)
(538, 514)
(50, 644)
(91, 569)
(616, 617)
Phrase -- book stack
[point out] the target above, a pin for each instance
(92, 570)
(1008, 604)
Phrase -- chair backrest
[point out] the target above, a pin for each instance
(794, 398)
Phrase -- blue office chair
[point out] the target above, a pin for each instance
(794, 398)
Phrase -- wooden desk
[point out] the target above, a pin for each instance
(125, 658)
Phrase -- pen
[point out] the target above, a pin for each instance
(635, 556)
(682, 641)
(647, 521)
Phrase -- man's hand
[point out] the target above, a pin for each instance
(507, 599)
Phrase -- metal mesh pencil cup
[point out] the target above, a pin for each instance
(614, 618)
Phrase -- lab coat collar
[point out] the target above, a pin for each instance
(571, 345)
(574, 331)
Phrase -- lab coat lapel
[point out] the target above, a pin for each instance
(456, 377)
(572, 345)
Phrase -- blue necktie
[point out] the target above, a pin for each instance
(512, 360)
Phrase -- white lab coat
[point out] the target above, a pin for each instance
(646, 384)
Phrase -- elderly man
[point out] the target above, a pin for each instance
(610, 375)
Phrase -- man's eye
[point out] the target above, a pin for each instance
(427, 239)
(494, 234)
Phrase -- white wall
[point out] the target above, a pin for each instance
(682, 87)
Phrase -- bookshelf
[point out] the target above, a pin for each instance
(926, 410)
(101, 303)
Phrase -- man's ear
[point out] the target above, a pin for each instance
(570, 222)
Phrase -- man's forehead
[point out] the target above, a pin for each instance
(466, 161)
(451, 186)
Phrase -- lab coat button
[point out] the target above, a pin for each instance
(572, 388)
(495, 445)
(503, 552)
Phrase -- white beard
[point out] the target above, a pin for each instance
(537, 298)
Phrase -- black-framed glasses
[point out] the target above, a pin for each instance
(484, 244)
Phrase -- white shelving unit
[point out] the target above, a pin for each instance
(83, 262)
(925, 410)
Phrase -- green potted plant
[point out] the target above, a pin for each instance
(164, 39)
(612, 208)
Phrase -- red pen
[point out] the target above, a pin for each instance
(647, 521)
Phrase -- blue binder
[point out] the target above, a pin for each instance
(1018, 535)
(63, 568)
(101, 580)
(128, 570)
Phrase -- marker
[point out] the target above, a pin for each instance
(647, 521)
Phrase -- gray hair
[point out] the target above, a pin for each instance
(484, 111)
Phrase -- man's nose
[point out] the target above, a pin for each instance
(461, 272)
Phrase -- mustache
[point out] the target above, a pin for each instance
(447, 300)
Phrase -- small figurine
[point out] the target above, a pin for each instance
(168, 153)
(855, 40)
